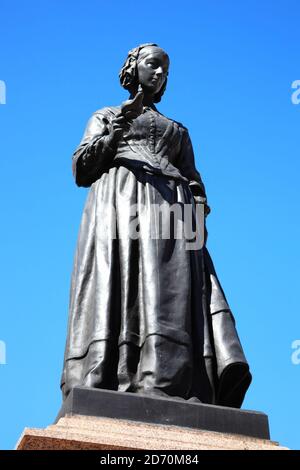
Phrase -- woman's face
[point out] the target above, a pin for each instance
(153, 69)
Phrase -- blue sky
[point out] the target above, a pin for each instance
(232, 67)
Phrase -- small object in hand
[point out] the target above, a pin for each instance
(131, 109)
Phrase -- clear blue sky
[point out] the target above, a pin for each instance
(232, 66)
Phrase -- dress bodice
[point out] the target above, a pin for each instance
(153, 143)
(157, 134)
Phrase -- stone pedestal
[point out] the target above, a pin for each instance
(93, 419)
(91, 433)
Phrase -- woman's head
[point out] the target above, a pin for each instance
(147, 65)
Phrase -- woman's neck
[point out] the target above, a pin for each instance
(147, 100)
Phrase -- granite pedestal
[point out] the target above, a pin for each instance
(107, 420)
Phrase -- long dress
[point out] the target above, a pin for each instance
(146, 315)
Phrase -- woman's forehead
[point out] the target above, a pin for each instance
(155, 52)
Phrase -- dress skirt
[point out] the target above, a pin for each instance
(148, 315)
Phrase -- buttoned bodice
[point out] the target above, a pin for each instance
(153, 140)
(153, 143)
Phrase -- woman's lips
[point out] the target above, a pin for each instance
(155, 80)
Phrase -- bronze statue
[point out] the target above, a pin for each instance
(146, 314)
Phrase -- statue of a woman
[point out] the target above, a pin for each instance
(146, 314)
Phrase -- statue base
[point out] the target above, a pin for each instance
(109, 420)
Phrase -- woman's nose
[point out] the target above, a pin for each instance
(159, 70)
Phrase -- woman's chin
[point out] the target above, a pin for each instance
(150, 89)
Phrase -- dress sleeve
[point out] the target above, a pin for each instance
(93, 154)
(188, 169)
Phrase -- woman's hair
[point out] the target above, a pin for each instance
(128, 73)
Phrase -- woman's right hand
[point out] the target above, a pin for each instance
(118, 126)
(130, 109)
